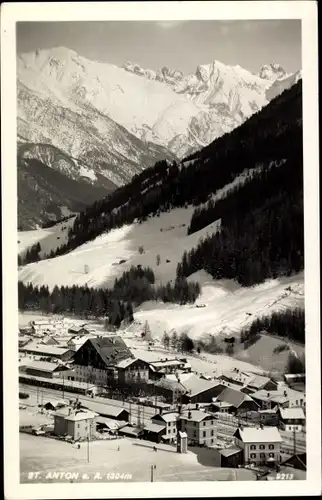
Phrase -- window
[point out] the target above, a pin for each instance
(211, 440)
(262, 447)
(194, 434)
(271, 455)
(252, 447)
(204, 423)
(271, 447)
(253, 455)
(262, 455)
(77, 426)
(212, 422)
(204, 434)
(212, 433)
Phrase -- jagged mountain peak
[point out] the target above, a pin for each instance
(272, 71)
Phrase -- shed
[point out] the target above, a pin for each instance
(131, 431)
(153, 432)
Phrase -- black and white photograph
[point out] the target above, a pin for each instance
(160, 221)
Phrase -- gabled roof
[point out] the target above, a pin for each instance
(196, 415)
(258, 435)
(234, 397)
(126, 362)
(154, 427)
(45, 349)
(104, 409)
(195, 385)
(45, 366)
(75, 415)
(111, 349)
(296, 461)
(258, 381)
(292, 413)
(166, 417)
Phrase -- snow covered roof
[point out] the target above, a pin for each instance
(258, 381)
(196, 415)
(166, 417)
(259, 435)
(195, 385)
(75, 415)
(228, 452)
(45, 349)
(110, 423)
(235, 398)
(45, 366)
(292, 413)
(154, 427)
(126, 362)
(104, 409)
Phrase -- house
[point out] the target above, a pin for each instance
(199, 390)
(41, 326)
(130, 431)
(260, 445)
(43, 369)
(269, 417)
(200, 427)
(230, 457)
(108, 411)
(239, 401)
(236, 377)
(78, 330)
(153, 432)
(109, 424)
(97, 359)
(49, 340)
(283, 397)
(78, 424)
(132, 370)
(55, 404)
(259, 382)
(291, 419)
(167, 366)
(46, 351)
(24, 340)
(169, 421)
(221, 406)
(77, 341)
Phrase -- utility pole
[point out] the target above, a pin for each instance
(294, 441)
(153, 467)
(63, 387)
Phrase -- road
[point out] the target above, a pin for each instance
(41, 394)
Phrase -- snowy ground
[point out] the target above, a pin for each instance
(134, 458)
(49, 239)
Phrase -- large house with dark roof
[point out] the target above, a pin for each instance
(103, 359)
(238, 401)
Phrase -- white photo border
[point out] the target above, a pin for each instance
(11, 13)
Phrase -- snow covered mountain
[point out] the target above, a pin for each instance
(92, 110)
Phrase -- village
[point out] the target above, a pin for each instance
(113, 393)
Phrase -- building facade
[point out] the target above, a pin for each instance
(260, 445)
(77, 424)
(200, 427)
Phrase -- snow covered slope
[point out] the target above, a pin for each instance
(72, 103)
(223, 305)
(49, 239)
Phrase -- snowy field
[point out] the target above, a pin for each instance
(165, 236)
(134, 458)
(49, 239)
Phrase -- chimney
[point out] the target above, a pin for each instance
(180, 409)
(285, 393)
(261, 426)
(189, 415)
(268, 394)
(69, 411)
(197, 406)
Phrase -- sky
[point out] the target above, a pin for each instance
(177, 44)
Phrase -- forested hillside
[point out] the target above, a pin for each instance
(272, 135)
